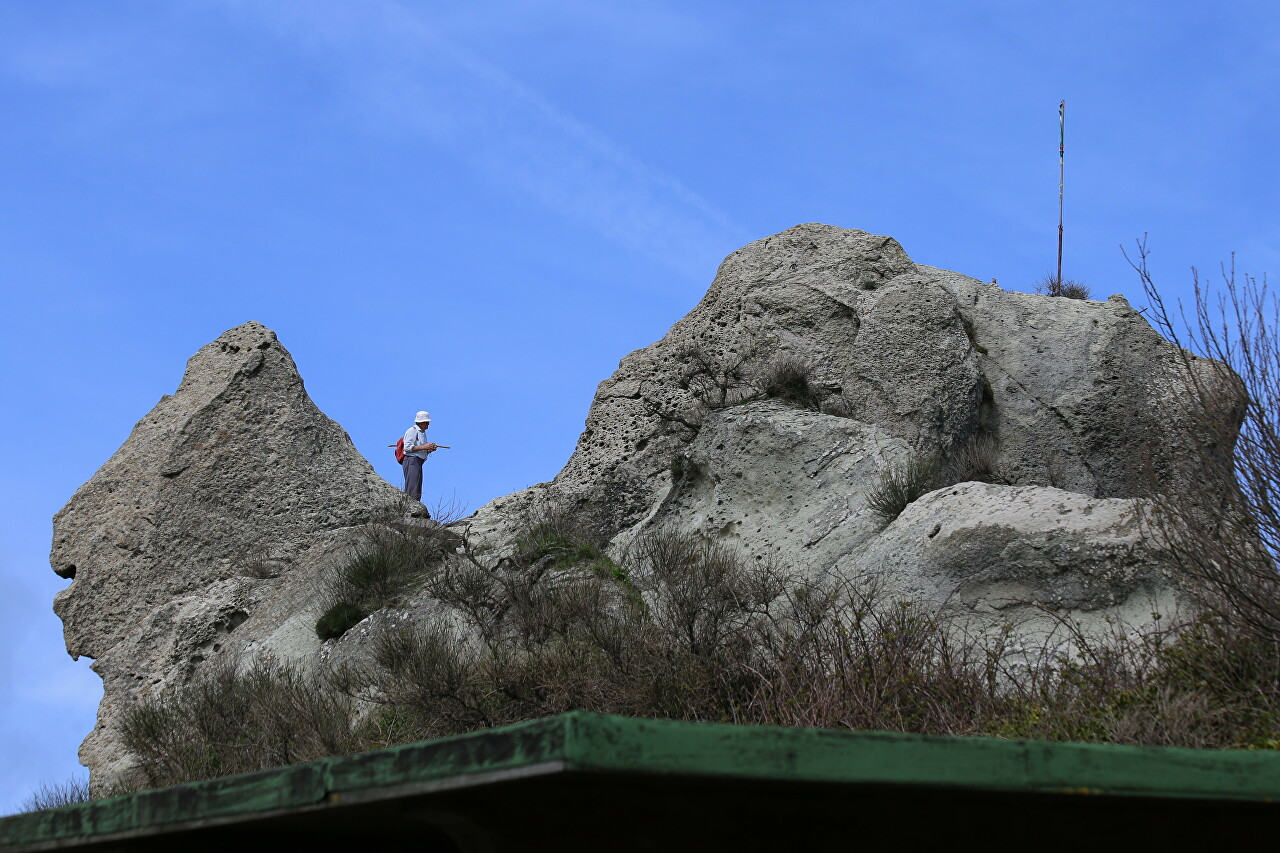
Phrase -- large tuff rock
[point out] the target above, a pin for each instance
(224, 496)
(203, 537)
(1080, 394)
(1018, 551)
(1081, 397)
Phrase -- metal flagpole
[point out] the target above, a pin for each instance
(1062, 136)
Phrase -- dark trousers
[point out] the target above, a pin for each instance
(412, 466)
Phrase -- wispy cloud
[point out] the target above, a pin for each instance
(405, 76)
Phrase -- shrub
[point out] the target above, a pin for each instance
(688, 630)
(716, 381)
(1051, 285)
(556, 533)
(975, 459)
(52, 795)
(680, 466)
(230, 721)
(338, 620)
(789, 378)
(900, 486)
(387, 562)
(710, 380)
(713, 638)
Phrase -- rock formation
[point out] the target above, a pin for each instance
(203, 535)
(204, 529)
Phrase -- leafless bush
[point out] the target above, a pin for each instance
(1202, 684)
(711, 380)
(702, 635)
(683, 629)
(1222, 520)
(692, 633)
(715, 382)
(264, 563)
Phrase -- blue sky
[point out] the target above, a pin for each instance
(479, 208)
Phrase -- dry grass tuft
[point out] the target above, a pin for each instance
(52, 795)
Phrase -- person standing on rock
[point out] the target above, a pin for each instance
(416, 450)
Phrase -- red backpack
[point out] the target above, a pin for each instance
(399, 446)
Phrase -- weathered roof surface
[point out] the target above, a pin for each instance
(582, 780)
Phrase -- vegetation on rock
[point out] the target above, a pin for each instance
(790, 379)
(387, 562)
(685, 630)
(679, 628)
(1068, 288)
(900, 486)
(52, 795)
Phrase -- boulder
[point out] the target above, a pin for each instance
(777, 483)
(1023, 554)
(790, 486)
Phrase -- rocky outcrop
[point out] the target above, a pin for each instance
(1080, 394)
(203, 537)
(207, 529)
(237, 460)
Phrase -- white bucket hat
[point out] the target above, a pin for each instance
(422, 417)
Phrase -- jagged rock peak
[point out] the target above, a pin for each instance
(238, 458)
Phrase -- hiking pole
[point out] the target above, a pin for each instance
(1062, 138)
(438, 446)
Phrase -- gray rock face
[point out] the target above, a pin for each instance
(1081, 398)
(777, 483)
(203, 537)
(1078, 393)
(1011, 550)
(237, 467)
(237, 459)
(1082, 394)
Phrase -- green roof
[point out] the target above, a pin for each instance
(578, 774)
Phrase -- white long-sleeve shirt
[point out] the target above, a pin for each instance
(412, 438)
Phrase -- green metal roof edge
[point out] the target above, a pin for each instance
(601, 743)
(296, 787)
(620, 744)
